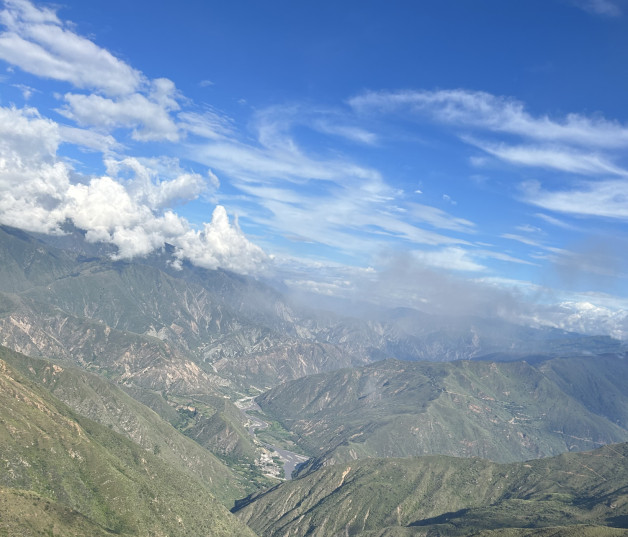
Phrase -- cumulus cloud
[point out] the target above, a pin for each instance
(148, 189)
(32, 181)
(221, 244)
(129, 207)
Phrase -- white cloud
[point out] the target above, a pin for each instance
(355, 134)
(572, 144)
(555, 221)
(352, 219)
(88, 139)
(584, 318)
(558, 158)
(601, 198)
(39, 193)
(251, 163)
(210, 124)
(36, 41)
(27, 91)
(317, 199)
(451, 258)
(500, 256)
(439, 218)
(221, 244)
(149, 117)
(485, 111)
(521, 239)
(147, 188)
(600, 7)
(32, 181)
(528, 228)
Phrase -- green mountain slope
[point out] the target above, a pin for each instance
(499, 411)
(102, 401)
(91, 475)
(439, 495)
(599, 384)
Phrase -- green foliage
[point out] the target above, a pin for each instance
(277, 435)
(438, 495)
(500, 411)
(105, 403)
(73, 462)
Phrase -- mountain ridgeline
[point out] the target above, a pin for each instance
(146, 324)
(571, 495)
(510, 411)
(122, 384)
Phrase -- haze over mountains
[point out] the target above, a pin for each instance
(220, 329)
(135, 367)
(333, 269)
(499, 411)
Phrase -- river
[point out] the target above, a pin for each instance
(289, 459)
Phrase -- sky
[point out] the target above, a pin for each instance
(444, 154)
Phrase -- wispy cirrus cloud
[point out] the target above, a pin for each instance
(607, 8)
(608, 199)
(321, 197)
(481, 110)
(555, 221)
(502, 128)
(565, 159)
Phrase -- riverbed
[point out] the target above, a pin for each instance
(289, 459)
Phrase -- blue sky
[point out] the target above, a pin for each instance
(400, 149)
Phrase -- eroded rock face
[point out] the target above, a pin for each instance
(145, 323)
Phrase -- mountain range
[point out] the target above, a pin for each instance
(119, 383)
(503, 411)
(573, 494)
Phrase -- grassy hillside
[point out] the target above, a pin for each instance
(82, 468)
(499, 411)
(584, 493)
(102, 401)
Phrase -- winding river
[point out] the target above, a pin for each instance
(289, 459)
